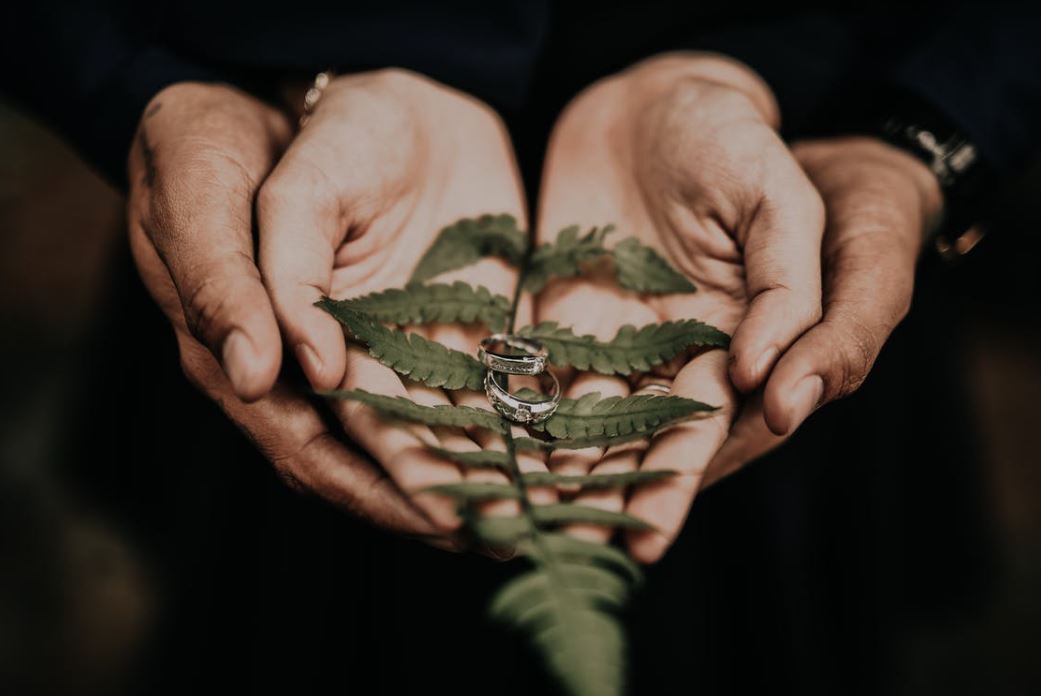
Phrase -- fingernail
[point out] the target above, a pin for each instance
(806, 395)
(309, 360)
(765, 361)
(237, 355)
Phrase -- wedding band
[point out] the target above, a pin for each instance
(314, 94)
(491, 353)
(521, 410)
(660, 387)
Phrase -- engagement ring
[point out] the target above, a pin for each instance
(517, 409)
(527, 357)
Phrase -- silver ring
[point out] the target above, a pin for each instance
(521, 410)
(533, 362)
(659, 387)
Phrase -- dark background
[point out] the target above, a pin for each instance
(933, 556)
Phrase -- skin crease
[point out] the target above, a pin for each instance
(680, 151)
(879, 200)
(341, 219)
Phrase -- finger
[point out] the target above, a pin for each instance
(870, 281)
(200, 222)
(782, 253)
(686, 449)
(288, 430)
(403, 451)
(578, 462)
(617, 460)
(299, 213)
(749, 439)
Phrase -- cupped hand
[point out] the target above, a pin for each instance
(879, 202)
(681, 151)
(384, 162)
(200, 154)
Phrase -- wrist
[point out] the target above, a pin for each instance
(865, 162)
(715, 69)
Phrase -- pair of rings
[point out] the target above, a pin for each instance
(509, 354)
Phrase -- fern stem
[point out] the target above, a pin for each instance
(513, 467)
(519, 287)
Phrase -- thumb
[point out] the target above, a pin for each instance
(870, 285)
(783, 273)
(200, 224)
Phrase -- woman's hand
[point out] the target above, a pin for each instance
(200, 154)
(682, 152)
(879, 202)
(385, 161)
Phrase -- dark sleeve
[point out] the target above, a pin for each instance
(979, 64)
(87, 71)
(981, 67)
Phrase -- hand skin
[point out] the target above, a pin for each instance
(203, 156)
(682, 152)
(879, 200)
(385, 161)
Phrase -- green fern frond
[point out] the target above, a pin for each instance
(425, 304)
(571, 548)
(563, 258)
(480, 490)
(570, 513)
(410, 354)
(590, 415)
(469, 240)
(567, 609)
(479, 459)
(639, 267)
(535, 479)
(403, 409)
(475, 491)
(531, 444)
(631, 350)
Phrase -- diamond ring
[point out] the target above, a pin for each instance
(517, 409)
(512, 355)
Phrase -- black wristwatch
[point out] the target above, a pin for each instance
(921, 130)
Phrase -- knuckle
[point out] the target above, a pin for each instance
(296, 465)
(206, 308)
(857, 353)
(296, 179)
(197, 365)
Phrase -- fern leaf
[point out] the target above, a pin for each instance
(571, 548)
(569, 513)
(565, 607)
(639, 267)
(532, 444)
(497, 531)
(631, 350)
(563, 258)
(403, 409)
(590, 415)
(474, 491)
(470, 239)
(535, 479)
(410, 354)
(478, 459)
(425, 304)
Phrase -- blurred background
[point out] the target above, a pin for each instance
(79, 595)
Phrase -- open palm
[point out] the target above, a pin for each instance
(691, 167)
(386, 160)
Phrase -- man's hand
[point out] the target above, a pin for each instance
(682, 152)
(200, 154)
(879, 201)
(385, 161)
